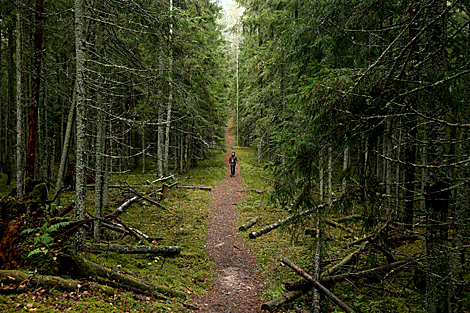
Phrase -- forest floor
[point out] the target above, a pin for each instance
(236, 287)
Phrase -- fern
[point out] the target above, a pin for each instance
(56, 227)
(37, 251)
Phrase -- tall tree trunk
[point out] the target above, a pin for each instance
(170, 100)
(11, 101)
(461, 216)
(80, 119)
(437, 181)
(33, 119)
(100, 172)
(160, 141)
(20, 138)
(330, 176)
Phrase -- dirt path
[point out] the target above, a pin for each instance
(236, 288)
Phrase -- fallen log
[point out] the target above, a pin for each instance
(15, 276)
(319, 286)
(195, 187)
(93, 269)
(160, 250)
(162, 179)
(67, 209)
(275, 303)
(267, 229)
(248, 224)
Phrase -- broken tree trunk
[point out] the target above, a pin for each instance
(93, 269)
(14, 276)
(267, 229)
(248, 224)
(164, 250)
(319, 286)
(275, 303)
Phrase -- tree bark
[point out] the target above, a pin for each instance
(80, 119)
(20, 138)
(100, 173)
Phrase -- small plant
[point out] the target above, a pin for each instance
(40, 243)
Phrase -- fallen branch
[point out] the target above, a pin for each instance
(160, 250)
(275, 303)
(289, 219)
(248, 224)
(195, 187)
(14, 276)
(319, 286)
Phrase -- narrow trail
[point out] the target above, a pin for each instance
(236, 289)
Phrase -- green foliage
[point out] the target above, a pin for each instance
(40, 245)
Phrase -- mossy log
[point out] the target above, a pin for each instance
(160, 250)
(275, 303)
(343, 306)
(248, 224)
(14, 276)
(93, 269)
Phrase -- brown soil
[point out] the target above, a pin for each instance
(237, 288)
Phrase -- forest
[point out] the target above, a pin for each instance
(349, 119)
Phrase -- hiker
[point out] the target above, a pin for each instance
(233, 162)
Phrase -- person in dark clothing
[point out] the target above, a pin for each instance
(233, 162)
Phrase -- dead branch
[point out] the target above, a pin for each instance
(275, 303)
(248, 224)
(267, 229)
(319, 286)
